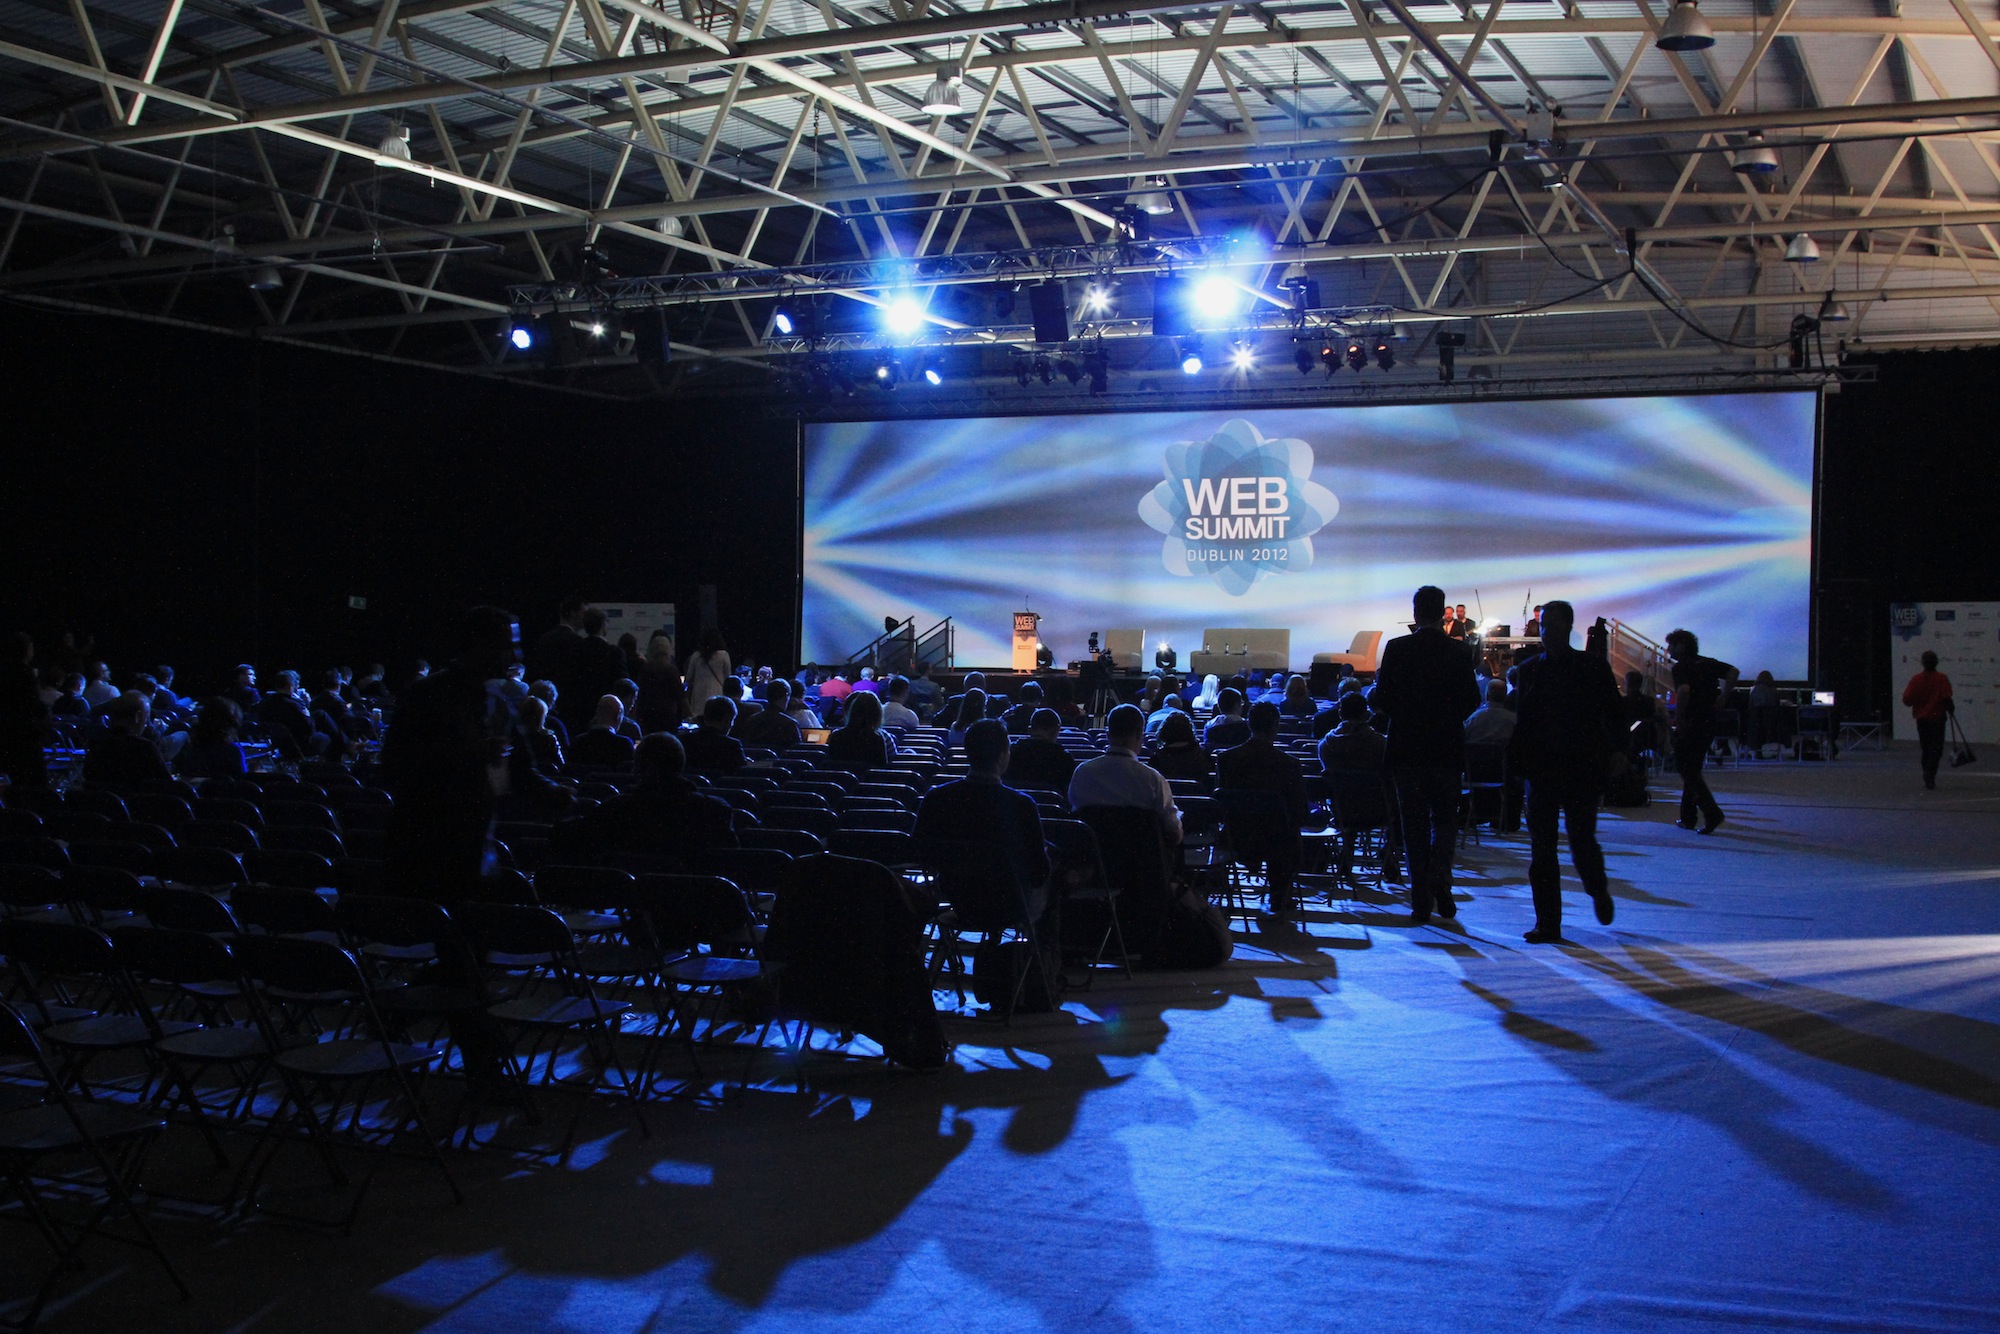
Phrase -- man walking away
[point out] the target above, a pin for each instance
(1929, 696)
(1426, 688)
(1569, 723)
(1699, 686)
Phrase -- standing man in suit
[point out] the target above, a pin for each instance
(1569, 725)
(1426, 689)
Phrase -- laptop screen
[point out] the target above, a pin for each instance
(1823, 698)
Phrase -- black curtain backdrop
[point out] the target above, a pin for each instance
(203, 500)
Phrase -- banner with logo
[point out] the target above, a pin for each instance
(1660, 512)
(1966, 638)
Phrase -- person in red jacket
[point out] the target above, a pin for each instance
(1929, 696)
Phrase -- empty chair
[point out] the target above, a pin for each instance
(111, 1139)
(134, 857)
(104, 896)
(797, 842)
(757, 870)
(299, 815)
(230, 835)
(242, 811)
(39, 851)
(294, 870)
(283, 911)
(894, 848)
(74, 826)
(328, 1083)
(233, 789)
(319, 842)
(355, 798)
(160, 808)
(178, 909)
(18, 823)
(91, 801)
(43, 801)
(819, 822)
(204, 868)
(359, 875)
(901, 821)
(138, 831)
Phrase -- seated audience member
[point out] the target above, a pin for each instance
(97, 688)
(243, 689)
(897, 713)
(1356, 747)
(69, 702)
(287, 718)
(545, 691)
(772, 726)
(1018, 717)
(628, 651)
(760, 684)
(662, 700)
(860, 743)
(1211, 687)
(1492, 723)
(544, 746)
(604, 745)
(1227, 727)
(627, 691)
(1173, 706)
(948, 713)
(663, 814)
(332, 711)
(711, 750)
(165, 695)
(868, 683)
(1177, 754)
(733, 687)
(1259, 765)
(1298, 701)
(966, 709)
(1038, 760)
(213, 749)
(835, 687)
(1765, 712)
(125, 755)
(980, 808)
(924, 692)
(801, 712)
(512, 686)
(1120, 778)
(373, 689)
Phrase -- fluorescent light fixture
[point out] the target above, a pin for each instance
(903, 316)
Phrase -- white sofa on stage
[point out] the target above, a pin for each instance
(1224, 652)
(1361, 655)
(1126, 647)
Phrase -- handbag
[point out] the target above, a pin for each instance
(1961, 749)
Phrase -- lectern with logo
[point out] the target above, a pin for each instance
(1026, 640)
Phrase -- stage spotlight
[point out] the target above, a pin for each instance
(1070, 370)
(1099, 366)
(885, 372)
(1357, 355)
(598, 328)
(1329, 357)
(1385, 354)
(782, 321)
(1242, 356)
(1097, 299)
(522, 337)
(1021, 374)
(1191, 357)
(1302, 357)
(1045, 372)
(1216, 298)
(933, 377)
(903, 316)
(1448, 344)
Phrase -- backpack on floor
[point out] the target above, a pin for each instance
(1195, 934)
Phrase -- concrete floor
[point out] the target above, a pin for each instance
(1769, 1095)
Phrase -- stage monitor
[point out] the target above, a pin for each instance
(1664, 512)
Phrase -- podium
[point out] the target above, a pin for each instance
(1027, 639)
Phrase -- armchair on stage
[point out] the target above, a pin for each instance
(1228, 651)
(1361, 655)
(1126, 648)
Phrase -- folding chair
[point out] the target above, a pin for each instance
(205, 868)
(986, 896)
(329, 1083)
(109, 1140)
(1079, 871)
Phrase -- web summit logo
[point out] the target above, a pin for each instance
(1237, 507)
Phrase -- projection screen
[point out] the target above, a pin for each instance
(1692, 511)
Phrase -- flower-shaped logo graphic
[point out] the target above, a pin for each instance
(1237, 507)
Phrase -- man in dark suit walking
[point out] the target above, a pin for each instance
(1568, 731)
(1426, 688)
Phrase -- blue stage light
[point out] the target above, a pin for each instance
(782, 322)
(522, 337)
(932, 377)
(1191, 364)
(903, 316)
(1216, 298)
